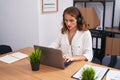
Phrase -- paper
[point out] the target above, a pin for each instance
(100, 72)
(19, 55)
(113, 75)
(10, 58)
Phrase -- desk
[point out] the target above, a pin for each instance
(115, 31)
(21, 70)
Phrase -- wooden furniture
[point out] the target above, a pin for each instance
(115, 31)
(21, 70)
(100, 35)
(104, 2)
(112, 42)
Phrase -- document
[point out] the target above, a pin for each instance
(100, 72)
(19, 55)
(10, 58)
(113, 75)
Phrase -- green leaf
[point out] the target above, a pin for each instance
(88, 74)
(36, 55)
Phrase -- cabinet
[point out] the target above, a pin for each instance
(104, 8)
(112, 46)
(99, 35)
(112, 42)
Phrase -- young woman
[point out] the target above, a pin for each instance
(75, 39)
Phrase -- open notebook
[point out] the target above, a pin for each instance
(100, 72)
(10, 58)
(113, 75)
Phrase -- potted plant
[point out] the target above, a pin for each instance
(35, 59)
(88, 74)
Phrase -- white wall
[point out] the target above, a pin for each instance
(50, 23)
(22, 24)
(18, 23)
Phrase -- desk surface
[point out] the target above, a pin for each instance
(117, 31)
(21, 70)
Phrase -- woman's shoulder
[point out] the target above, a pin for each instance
(85, 32)
(60, 35)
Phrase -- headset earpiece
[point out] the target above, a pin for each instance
(79, 18)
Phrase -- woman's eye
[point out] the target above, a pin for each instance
(71, 20)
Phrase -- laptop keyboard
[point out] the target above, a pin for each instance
(67, 63)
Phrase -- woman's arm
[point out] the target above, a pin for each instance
(75, 58)
(56, 44)
(87, 53)
(87, 46)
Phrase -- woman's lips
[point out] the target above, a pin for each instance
(69, 27)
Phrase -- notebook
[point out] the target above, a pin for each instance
(52, 57)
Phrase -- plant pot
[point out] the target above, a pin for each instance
(35, 66)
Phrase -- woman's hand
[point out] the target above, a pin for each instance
(67, 58)
(74, 58)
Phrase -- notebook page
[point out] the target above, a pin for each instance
(113, 75)
(19, 55)
(8, 59)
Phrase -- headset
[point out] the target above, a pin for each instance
(79, 17)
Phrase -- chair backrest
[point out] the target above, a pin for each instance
(111, 61)
(96, 60)
(5, 49)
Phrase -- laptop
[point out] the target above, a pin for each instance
(52, 57)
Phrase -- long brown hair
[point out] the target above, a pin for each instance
(73, 11)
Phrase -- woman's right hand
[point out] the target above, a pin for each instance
(67, 58)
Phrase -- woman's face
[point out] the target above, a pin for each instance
(70, 22)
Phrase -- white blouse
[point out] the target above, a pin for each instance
(81, 44)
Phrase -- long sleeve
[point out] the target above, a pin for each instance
(87, 48)
(81, 44)
(56, 44)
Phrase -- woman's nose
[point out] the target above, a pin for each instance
(68, 23)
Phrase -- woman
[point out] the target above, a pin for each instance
(75, 39)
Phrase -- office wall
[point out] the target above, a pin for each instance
(18, 23)
(50, 23)
(22, 24)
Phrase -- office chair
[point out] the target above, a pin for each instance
(5, 49)
(111, 61)
(96, 60)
